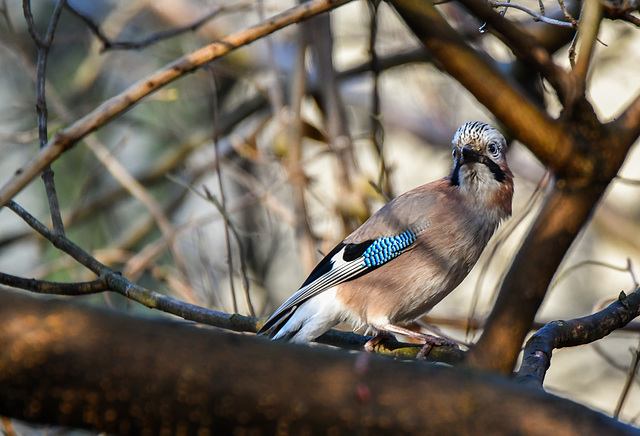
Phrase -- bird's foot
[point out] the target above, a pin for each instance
(430, 341)
(377, 339)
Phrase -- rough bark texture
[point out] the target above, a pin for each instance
(83, 367)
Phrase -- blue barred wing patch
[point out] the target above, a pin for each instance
(384, 249)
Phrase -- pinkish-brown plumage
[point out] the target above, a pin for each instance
(412, 252)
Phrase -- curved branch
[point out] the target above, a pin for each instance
(67, 138)
(525, 47)
(579, 331)
(89, 368)
(545, 137)
(235, 322)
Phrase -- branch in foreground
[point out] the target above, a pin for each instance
(236, 322)
(579, 331)
(545, 137)
(88, 368)
(64, 139)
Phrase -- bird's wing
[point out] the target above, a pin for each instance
(345, 262)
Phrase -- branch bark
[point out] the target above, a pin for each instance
(87, 368)
(545, 137)
(579, 331)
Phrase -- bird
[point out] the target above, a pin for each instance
(408, 255)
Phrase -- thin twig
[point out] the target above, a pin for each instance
(44, 45)
(579, 265)
(628, 181)
(107, 44)
(590, 20)
(627, 385)
(56, 288)
(243, 264)
(107, 111)
(135, 188)
(298, 179)
(223, 198)
(536, 16)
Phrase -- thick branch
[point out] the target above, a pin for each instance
(82, 367)
(546, 138)
(525, 285)
(524, 46)
(151, 299)
(579, 331)
(67, 138)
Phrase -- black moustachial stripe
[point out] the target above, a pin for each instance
(455, 174)
(471, 156)
(498, 174)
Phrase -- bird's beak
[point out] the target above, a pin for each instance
(469, 155)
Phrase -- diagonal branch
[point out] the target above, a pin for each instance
(236, 322)
(545, 137)
(67, 138)
(525, 47)
(107, 44)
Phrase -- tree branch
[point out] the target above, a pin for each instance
(151, 299)
(545, 137)
(54, 288)
(107, 44)
(579, 331)
(68, 137)
(44, 45)
(562, 216)
(88, 368)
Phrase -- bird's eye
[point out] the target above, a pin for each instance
(493, 149)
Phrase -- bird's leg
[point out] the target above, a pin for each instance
(429, 340)
(381, 336)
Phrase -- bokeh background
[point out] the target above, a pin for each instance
(231, 129)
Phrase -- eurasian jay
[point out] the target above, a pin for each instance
(411, 253)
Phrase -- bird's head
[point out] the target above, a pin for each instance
(480, 168)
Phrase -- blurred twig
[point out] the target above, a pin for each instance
(628, 269)
(235, 322)
(44, 45)
(107, 44)
(627, 385)
(67, 138)
(339, 139)
(297, 177)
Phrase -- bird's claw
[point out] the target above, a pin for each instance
(382, 336)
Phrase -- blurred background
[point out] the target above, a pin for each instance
(224, 188)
